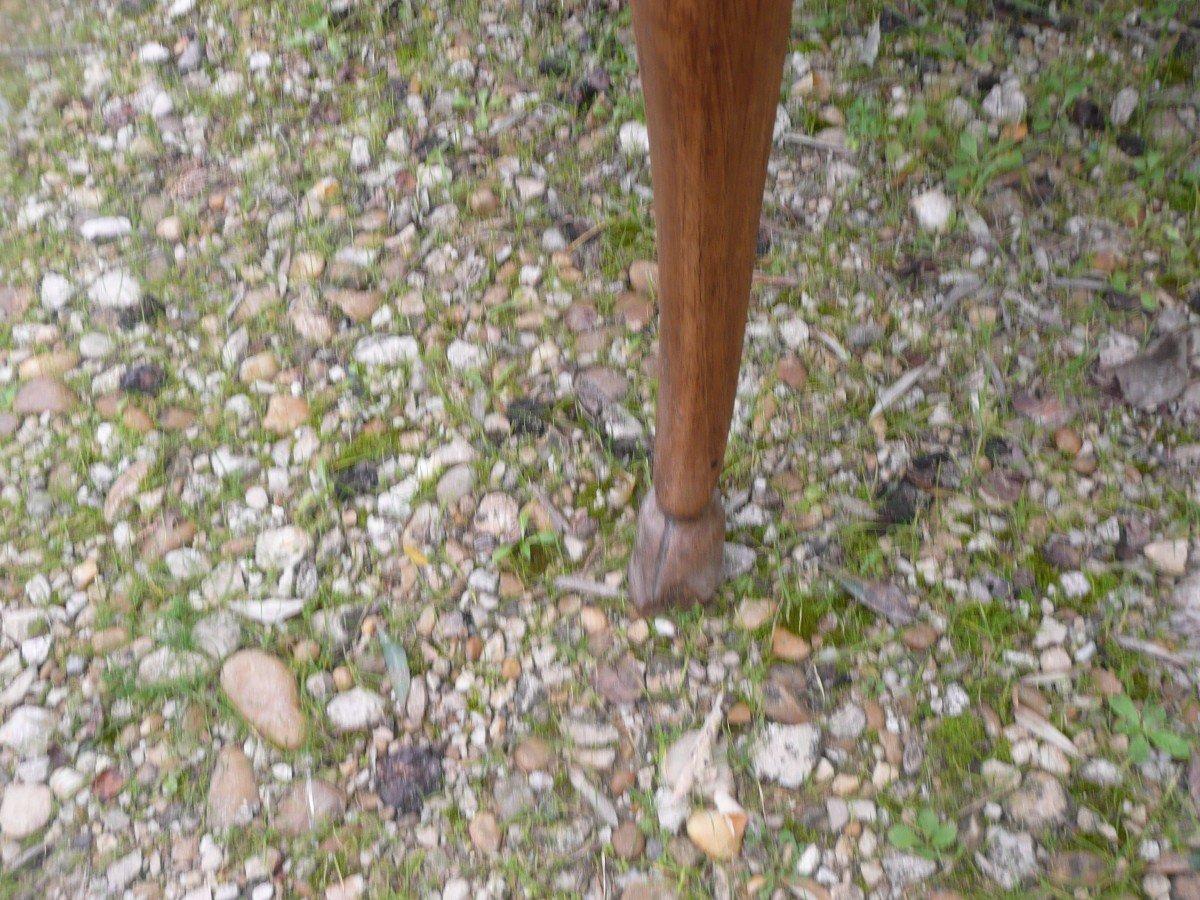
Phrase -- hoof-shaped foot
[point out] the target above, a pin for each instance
(676, 563)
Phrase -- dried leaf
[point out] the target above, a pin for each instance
(621, 684)
(124, 489)
(1040, 727)
(902, 386)
(690, 759)
(396, 659)
(416, 555)
(1156, 376)
(601, 804)
(270, 611)
(885, 600)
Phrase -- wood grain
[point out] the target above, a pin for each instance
(711, 72)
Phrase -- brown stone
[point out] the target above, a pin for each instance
(739, 714)
(14, 302)
(285, 414)
(628, 841)
(792, 372)
(474, 648)
(48, 365)
(255, 303)
(1077, 868)
(643, 276)
(485, 833)
(41, 395)
(358, 306)
(876, 717)
(165, 537)
(308, 803)
(264, 691)
(137, 419)
(621, 781)
(1068, 441)
(173, 418)
(532, 754)
(259, 367)
(634, 310)
(787, 645)
(232, 793)
(483, 202)
(785, 696)
(919, 637)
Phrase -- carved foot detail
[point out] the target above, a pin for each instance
(676, 563)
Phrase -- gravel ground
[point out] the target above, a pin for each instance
(327, 344)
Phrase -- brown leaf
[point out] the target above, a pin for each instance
(1046, 411)
(881, 598)
(785, 696)
(621, 684)
(1157, 376)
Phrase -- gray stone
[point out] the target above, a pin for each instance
(905, 869)
(358, 709)
(786, 753)
(1008, 858)
(217, 635)
(27, 730)
(25, 810)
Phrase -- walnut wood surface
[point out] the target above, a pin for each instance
(711, 71)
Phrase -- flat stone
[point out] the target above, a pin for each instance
(217, 635)
(1077, 868)
(232, 792)
(25, 810)
(263, 690)
(105, 228)
(485, 833)
(1167, 557)
(787, 753)
(932, 210)
(788, 645)
(27, 730)
(358, 709)
(115, 289)
(281, 548)
(121, 872)
(1008, 857)
(43, 395)
(167, 664)
(386, 350)
(532, 754)
(905, 869)
(358, 306)
(1040, 802)
(56, 291)
(306, 804)
(285, 414)
(628, 841)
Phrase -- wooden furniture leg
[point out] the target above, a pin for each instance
(711, 71)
